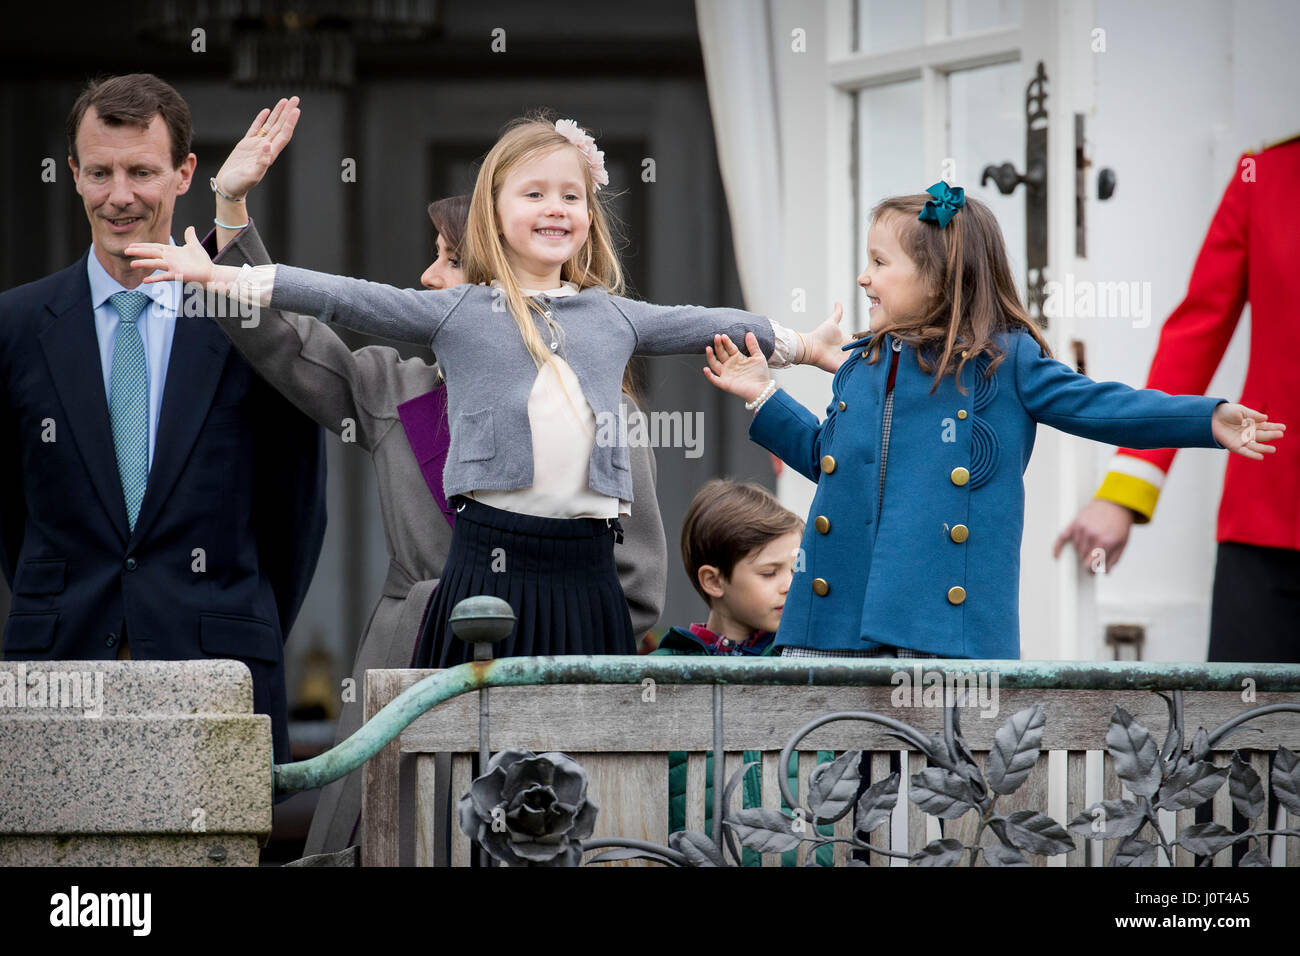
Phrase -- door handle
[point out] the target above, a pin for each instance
(1006, 178)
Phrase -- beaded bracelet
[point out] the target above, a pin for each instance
(757, 403)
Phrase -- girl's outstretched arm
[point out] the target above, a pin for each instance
(405, 315)
(781, 425)
(681, 329)
(1114, 413)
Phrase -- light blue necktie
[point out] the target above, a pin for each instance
(128, 405)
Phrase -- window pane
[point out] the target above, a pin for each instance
(889, 24)
(967, 16)
(987, 128)
(889, 157)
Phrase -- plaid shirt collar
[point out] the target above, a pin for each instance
(717, 644)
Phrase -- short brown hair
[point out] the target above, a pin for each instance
(134, 100)
(725, 521)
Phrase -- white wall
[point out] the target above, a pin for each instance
(1184, 87)
(806, 136)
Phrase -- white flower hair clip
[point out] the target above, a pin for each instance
(570, 130)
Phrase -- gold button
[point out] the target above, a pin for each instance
(959, 533)
(962, 413)
(959, 475)
(956, 595)
(843, 406)
(828, 464)
(822, 524)
(820, 587)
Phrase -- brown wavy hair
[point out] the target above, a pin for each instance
(972, 295)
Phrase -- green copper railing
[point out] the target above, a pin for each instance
(517, 671)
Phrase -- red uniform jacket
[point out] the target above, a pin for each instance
(1251, 254)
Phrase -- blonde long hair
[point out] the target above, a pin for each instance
(595, 264)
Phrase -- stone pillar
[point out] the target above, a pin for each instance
(125, 763)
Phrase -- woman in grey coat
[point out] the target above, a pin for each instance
(376, 399)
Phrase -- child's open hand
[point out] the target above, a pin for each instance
(189, 263)
(1244, 430)
(825, 341)
(733, 371)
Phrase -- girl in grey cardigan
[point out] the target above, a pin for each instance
(374, 398)
(537, 232)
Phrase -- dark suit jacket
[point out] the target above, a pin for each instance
(237, 472)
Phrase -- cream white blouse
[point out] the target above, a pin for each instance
(564, 433)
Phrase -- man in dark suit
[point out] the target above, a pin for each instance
(159, 500)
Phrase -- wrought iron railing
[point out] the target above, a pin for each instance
(1168, 776)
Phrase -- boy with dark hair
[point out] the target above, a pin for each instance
(739, 547)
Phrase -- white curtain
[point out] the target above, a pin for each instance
(735, 36)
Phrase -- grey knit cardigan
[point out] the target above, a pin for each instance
(489, 372)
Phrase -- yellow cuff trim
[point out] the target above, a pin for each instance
(1131, 492)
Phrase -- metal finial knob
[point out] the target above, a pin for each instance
(482, 619)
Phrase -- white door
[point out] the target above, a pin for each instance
(940, 90)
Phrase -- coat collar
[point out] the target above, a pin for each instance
(700, 640)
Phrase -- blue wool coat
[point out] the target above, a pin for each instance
(939, 569)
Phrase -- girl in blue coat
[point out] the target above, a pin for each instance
(912, 547)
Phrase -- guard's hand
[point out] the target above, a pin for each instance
(1099, 533)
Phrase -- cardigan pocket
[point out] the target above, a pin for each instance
(474, 436)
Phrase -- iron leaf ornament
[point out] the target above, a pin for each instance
(532, 809)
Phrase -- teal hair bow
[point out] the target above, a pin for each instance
(947, 200)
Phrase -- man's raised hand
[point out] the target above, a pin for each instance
(253, 155)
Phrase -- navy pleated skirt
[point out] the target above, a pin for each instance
(557, 574)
